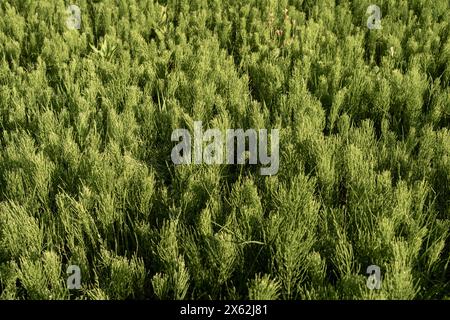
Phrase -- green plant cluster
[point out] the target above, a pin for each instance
(86, 176)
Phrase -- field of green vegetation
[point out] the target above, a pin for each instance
(86, 176)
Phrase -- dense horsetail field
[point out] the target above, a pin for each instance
(93, 204)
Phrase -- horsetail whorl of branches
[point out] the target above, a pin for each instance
(223, 149)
